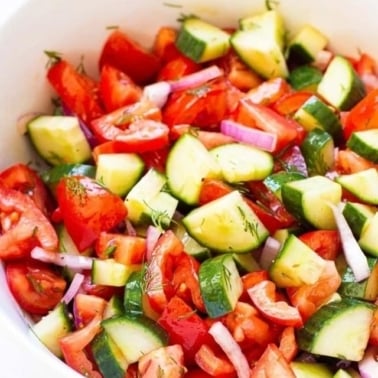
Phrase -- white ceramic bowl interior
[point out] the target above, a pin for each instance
(78, 28)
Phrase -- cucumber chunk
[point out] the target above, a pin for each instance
(310, 370)
(133, 295)
(226, 224)
(363, 184)
(306, 44)
(365, 144)
(202, 41)
(240, 162)
(220, 285)
(119, 172)
(296, 264)
(305, 78)
(340, 85)
(135, 336)
(108, 357)
(260, 42)
(346, 323)
(368, 240)
(50, 328)
(318, 151)
(308, 199)
(188, 163)
(357, 215)
(59, 139)
(275, 181)
(114, 307)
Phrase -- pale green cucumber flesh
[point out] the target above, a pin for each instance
(365, 144)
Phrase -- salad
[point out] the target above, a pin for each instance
(206, 209)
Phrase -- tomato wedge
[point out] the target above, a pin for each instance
(177, 68)
(211, 363)
(36, 287)
(23, 226)
(280, 312)
(88, 208)
(326, 243)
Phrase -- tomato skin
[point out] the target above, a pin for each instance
(77, 91)
(25, 179)
(185, 327)
(326, 243)
(87, 209)
(117, 89)
(36, 287)
(164, 46)
(24, 226)
(204, 106)
(86, 307)
(177, 68)
(289, 103)
(288, 344)
(280, 312)
(128, 56)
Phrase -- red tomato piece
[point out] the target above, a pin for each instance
(263, 296)
(125, 249)
(73, 348)
(117, 89)
(155, 158)
(185, 327)
(164, 46)
(252, 278)
(86, 307)
(347, 161)
(291, 160)
(272, 364)
(373, 338)
(87, 209)
(76, 90)
(164, 362)
(177, 68)
(160, 270)
(288, 344)
(326, 243)
(130, 57)
(25, 179)
(36, 287)
(289, 103)
(199, 373)
(23, 225)
(203, 106)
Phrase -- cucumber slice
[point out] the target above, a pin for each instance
(114, 307)
(220, 285)
(119, 172)
(188, 163)
(59, 139)
(346, 323)
(308, 199)
(341, 373)
(260, 42)
(366, 289)
(314, 113)
(306, 44)
(357, 215)
(275, 181)
(340, 85)
(305, 78)
(226, 224)
(108, 357)
(135, 336)
(50, 328)
(296, 264)
(368, 240)
(318, 151)
(310, 370)
(202, 41)
(365, 144)
(240, 162)
(245, 262)
(363, 184)
(111, 273)
(133, 294)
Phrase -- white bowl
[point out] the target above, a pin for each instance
(77, 27)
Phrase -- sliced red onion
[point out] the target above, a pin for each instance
(153, 235)
(368, 366)
(62, 259)
(354, 256)
(257, 138)
(157, 93)
(231, 348)
(74, 288)
(269, 252)
(130, 228)
(23, 121)
(322, 59)
(197, 78)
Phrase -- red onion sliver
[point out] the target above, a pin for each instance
(62, 259)
(74, 288)
(257, 138)
(269, 252)
(157, 93)
(197, 78)
(130, 228)
(231, 348)
(368, 366)
(354, 256)
(153, 235)
(322, 59)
